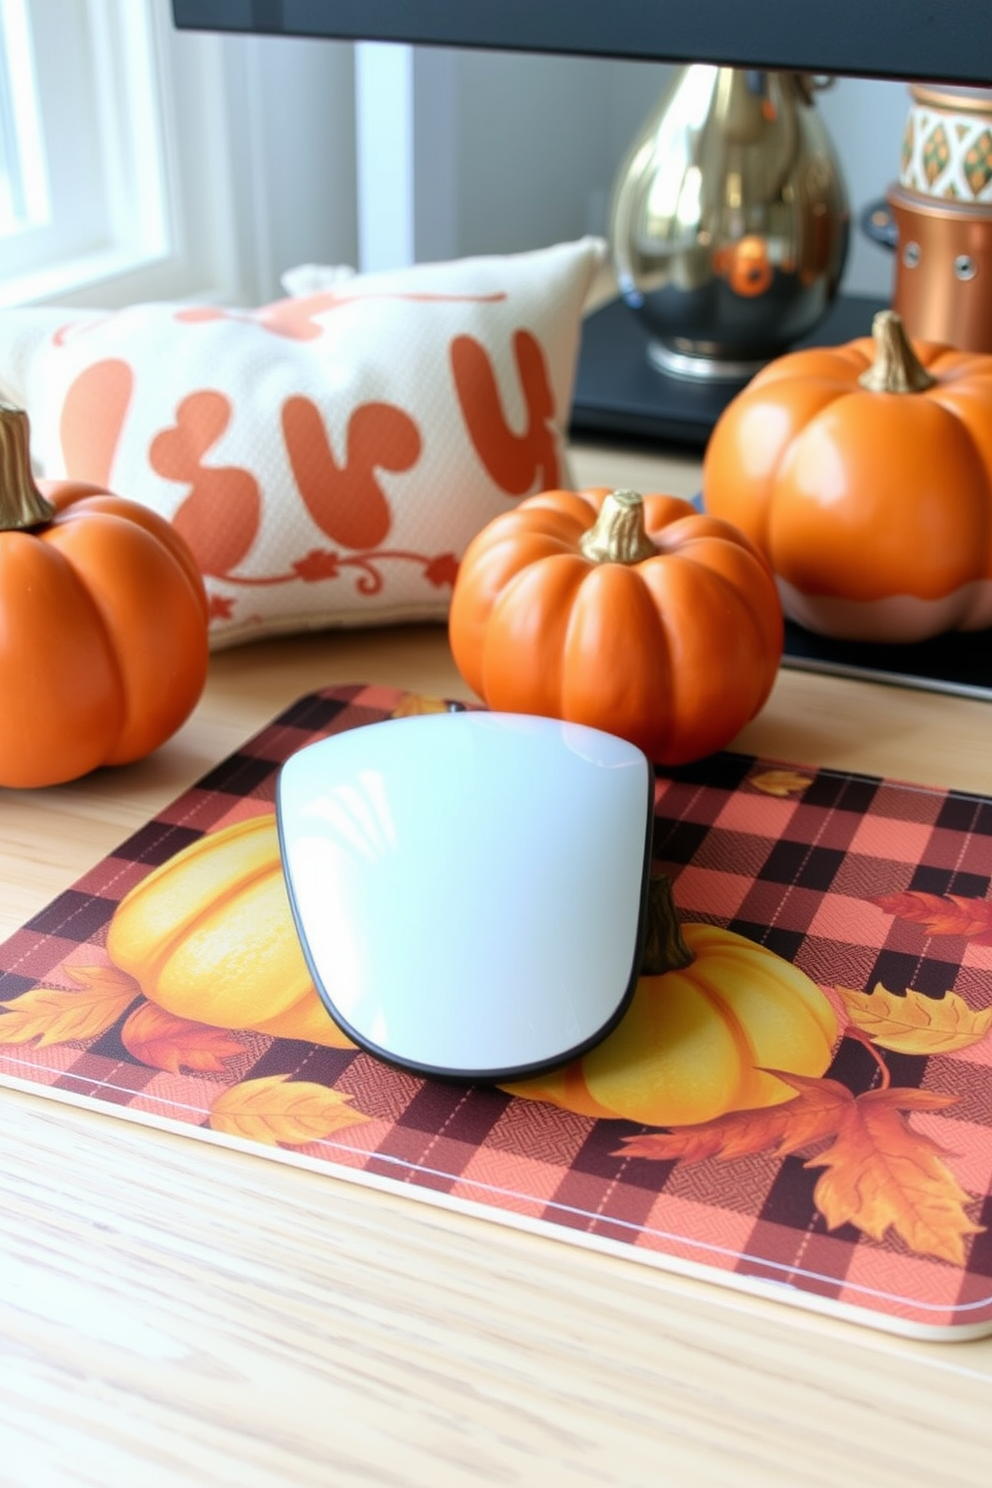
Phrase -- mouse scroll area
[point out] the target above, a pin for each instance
(469, 888)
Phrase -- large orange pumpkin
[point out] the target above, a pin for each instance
(700, 1038)
(864, 473)
(637, 615)
(209, 935)
(103, 624)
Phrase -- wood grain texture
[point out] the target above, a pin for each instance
(173, 1315)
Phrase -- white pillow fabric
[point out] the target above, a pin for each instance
(328, 457)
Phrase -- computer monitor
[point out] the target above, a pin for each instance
(906, 39)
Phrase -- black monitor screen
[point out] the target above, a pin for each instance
(931, 39)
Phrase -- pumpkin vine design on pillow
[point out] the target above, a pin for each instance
(344, 499)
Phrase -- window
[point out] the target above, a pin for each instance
(24, 201)
(85, 189)
(138, 162)
(114, 163)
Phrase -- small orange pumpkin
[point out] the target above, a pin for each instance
(637, 615)
(709, 1019)
(863, 472)
(103, 624)
(209, 936)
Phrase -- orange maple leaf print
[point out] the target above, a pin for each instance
(55, 1015)
(881, 1173)
(914, 1023)
(810, 1116)
(166, 1042)
(941, 914)
(780, 782)
(279, 1111)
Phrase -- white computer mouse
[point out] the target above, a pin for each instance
(469, 887)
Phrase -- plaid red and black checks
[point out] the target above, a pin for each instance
(877, 891)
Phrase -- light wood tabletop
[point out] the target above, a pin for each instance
(173, 1313)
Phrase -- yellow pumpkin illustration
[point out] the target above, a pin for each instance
(209, 935)
(698, 1039)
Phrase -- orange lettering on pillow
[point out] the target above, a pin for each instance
(347, 503)
(92, 418)
(295, 317)
(204, 314)
(519, 463)
(220, 516)
(73, 329)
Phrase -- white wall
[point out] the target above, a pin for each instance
(866, 122)
(291, 123)
(508, 152)
(533, 145)
(539, 143)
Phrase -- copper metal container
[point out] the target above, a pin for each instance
(941, 217)
(943, 283)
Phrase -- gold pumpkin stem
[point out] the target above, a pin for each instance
(896, 368)
(618, 535)
(21, 503)
(664, 948)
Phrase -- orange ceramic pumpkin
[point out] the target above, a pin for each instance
(633, 614)
(209, 935)
(103, 624)
(700, 1038)
(864, 474)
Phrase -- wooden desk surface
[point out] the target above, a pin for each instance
(173, 1315)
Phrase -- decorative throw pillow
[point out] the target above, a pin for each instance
(327, 457)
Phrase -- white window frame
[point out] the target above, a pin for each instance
(27, 202)
(150, 216)
(406, 154)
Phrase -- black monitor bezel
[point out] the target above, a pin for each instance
(905, 39)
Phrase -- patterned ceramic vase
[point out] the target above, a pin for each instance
(942, 214)
(947, 145)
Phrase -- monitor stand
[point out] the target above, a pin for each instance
(619, 393)
(620, 396)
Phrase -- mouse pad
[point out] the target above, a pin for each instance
(812, 1123)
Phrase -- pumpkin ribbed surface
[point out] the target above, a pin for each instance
(863, 472)
(209, 935)
(634, 614)
(103, 624)
(697, 1042)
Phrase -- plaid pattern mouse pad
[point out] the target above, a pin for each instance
(804, 1111)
